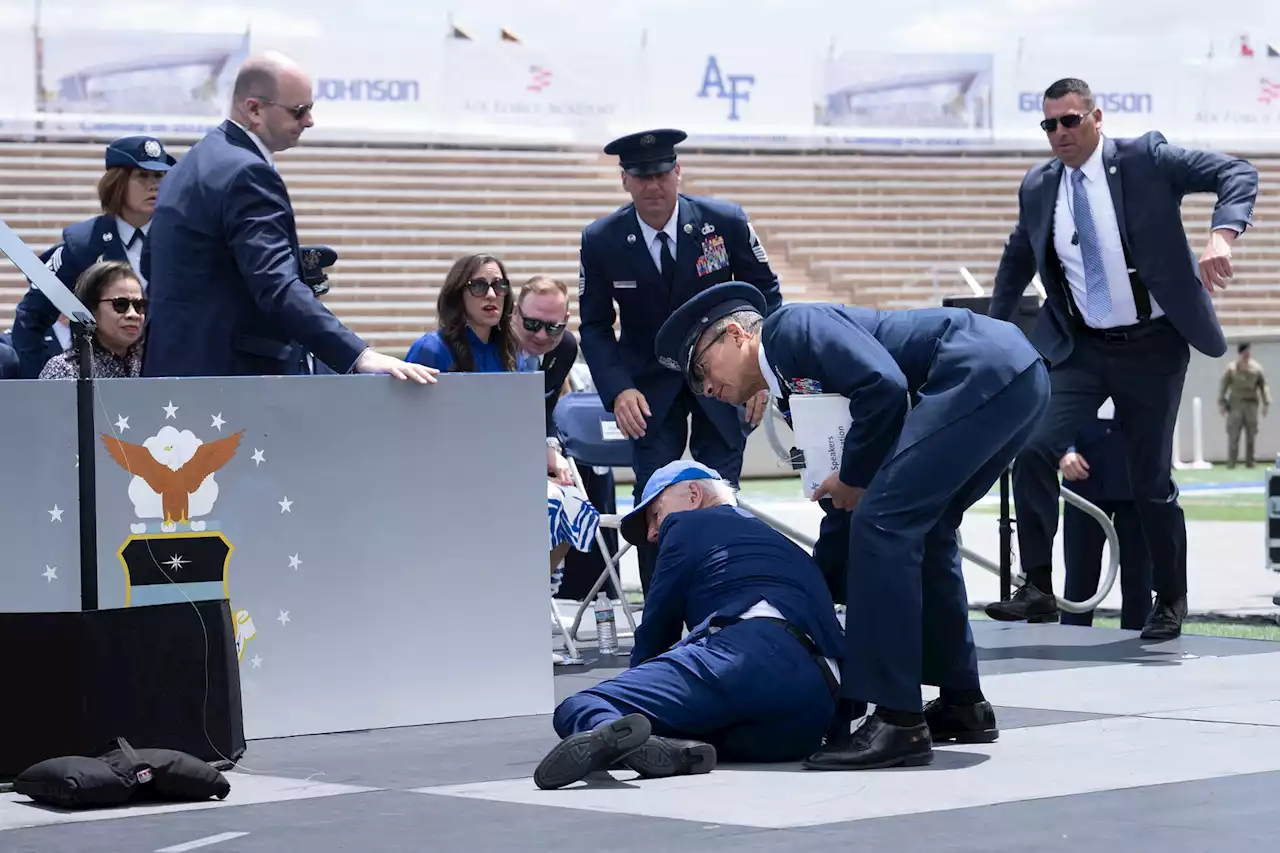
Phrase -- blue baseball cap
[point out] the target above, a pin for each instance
(634, 528)
(140, 152)
(681, 332)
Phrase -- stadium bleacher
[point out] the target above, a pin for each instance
(891, 230)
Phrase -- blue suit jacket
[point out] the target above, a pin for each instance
(83, 245)
(616, 266)
(222, 266)
(1148, 178)
(720, 562)
(1101, 443)
(9, 367)
(948, 361)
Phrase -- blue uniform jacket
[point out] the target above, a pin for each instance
(947, 361)
(83, 244)
(617, 266)
(720, 562)
(222, 266)
(1101, 443)
(1148, 178)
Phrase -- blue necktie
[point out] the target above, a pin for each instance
(1097, 293)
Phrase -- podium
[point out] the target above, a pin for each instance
(160, 675)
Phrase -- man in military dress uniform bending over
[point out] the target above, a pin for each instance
(976, 390)
(650, 257)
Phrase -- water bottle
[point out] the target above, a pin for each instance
(606, 627)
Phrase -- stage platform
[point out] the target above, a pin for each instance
(1107, 741)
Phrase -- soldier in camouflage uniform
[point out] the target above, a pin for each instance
(1244, 388)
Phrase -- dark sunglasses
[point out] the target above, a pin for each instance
(532, 326)
(299, 112)
(698, 376)
(480, 286)
(1071, 121)
(121, 304)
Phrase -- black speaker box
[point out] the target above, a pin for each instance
(1024, 316)
(163, 676)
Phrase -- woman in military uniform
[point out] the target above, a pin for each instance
(127, 194)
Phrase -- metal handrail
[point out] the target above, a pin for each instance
(1113, 541)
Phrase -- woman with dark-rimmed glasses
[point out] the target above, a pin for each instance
(111, 290)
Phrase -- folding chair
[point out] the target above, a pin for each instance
(589, 435)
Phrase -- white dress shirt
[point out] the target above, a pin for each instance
(1123, 310)
(262, 146)
(133, 251)
(651, 240)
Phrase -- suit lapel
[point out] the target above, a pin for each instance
(632, 246)
(1111, 163)
(1048, 201)
(106, 240)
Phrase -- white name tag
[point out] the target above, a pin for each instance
(609, 431)
(624, 285)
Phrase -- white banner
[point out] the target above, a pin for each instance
(508, 87)
(925, 97)
(715, 83)
(383, 81)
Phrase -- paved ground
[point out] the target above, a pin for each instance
(1106, 740)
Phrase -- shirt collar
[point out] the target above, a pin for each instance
(262, 146)
(1092, 167)
(650, 232)
(769, 378)
(126, 231)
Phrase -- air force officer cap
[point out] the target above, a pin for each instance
(140, 152)
(680, 333)
(650, 152)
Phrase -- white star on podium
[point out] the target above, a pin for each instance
(294, 562)
(218, 422)
(283, 618)
(55, 514)
(51, 573)
(122, 423)
(170, 411)
(258, 457)
(285, 504)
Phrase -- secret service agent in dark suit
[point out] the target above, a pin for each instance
(650, 257)
(106, 237)
(224, 213)
(755, 677)
(1095, 469)
(1102, 225)
(977, 390)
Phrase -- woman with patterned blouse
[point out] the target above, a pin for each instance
(111, 290)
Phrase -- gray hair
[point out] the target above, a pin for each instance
(750, 322)
(719, 492)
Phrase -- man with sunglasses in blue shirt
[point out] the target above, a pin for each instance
(1126, 299)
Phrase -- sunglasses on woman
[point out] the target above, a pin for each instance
(480, 286)
(1070, 122)
(121, 304)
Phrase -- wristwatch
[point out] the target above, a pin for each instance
(554, 444)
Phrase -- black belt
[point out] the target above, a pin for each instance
(1124, 334)
(810, 646)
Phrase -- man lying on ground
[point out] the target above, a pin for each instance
(756, 677)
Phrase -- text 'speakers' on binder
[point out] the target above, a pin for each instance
(820, 423)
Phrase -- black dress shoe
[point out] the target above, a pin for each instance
(661, 757)
(961, 723)
(840, 732)
(877, 745)
(586, 752)
(1165, 621)
(1027, 605)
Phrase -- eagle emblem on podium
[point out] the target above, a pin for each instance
(180, 558)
